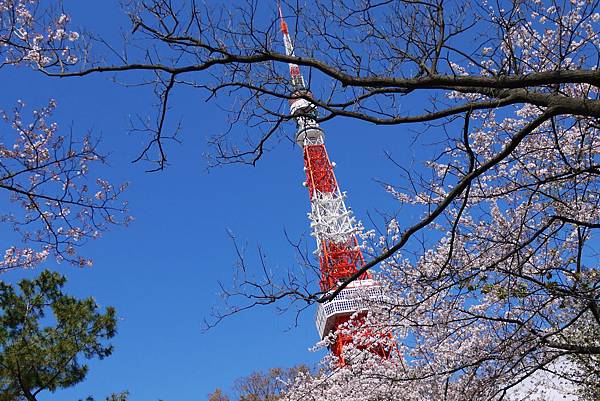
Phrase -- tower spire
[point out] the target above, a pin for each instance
(332, 223)
(295, 75)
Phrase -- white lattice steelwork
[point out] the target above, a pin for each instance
(358, 296)
(308, 132)
(330, 218)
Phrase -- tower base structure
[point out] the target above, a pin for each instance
(350, 308)
(356, 298)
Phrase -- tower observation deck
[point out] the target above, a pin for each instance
(332, 223)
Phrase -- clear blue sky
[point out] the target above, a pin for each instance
(161, 273)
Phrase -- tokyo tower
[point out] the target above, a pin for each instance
(332, 223)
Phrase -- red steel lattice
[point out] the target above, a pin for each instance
(319, 171)
(340, 261)
(369, 339)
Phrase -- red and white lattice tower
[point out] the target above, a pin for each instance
(333, 225)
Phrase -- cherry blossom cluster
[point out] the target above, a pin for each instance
(31, 32)
(54, 205)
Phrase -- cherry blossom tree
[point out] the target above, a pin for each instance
(262, 386)
(492, 280)
(53, 204)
